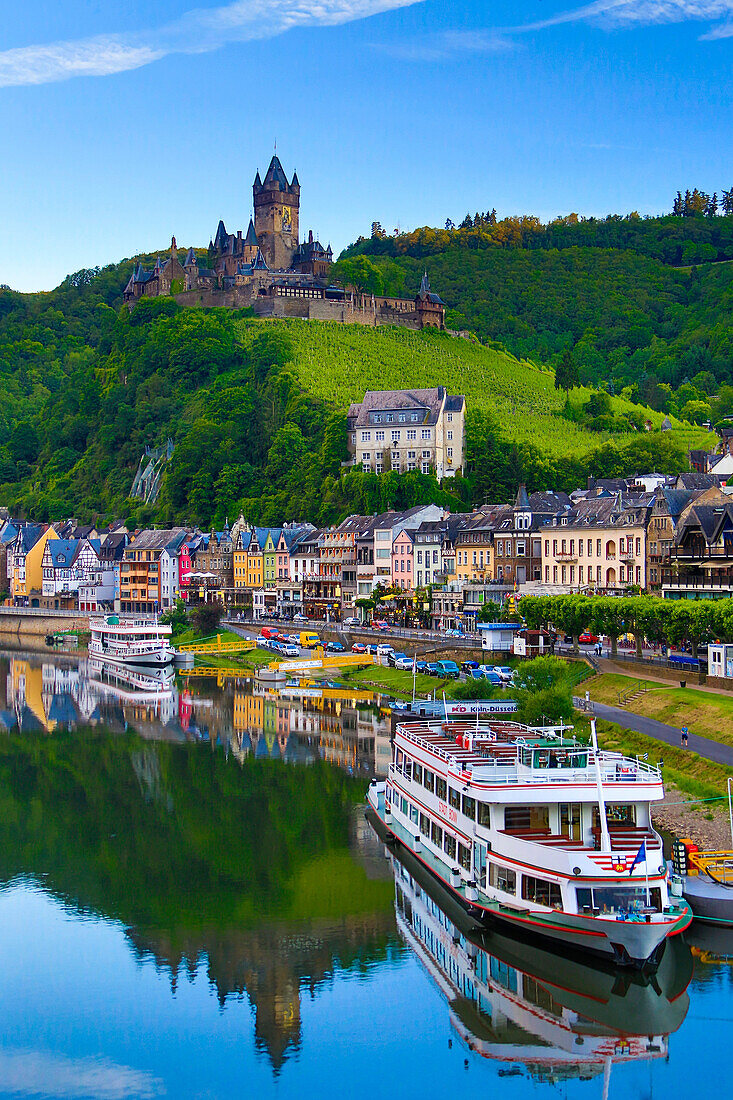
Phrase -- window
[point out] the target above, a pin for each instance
(425, 433)
(366, 437)
(425, 824)
(435, 557)
(415, 417)
(401, 418)
(449, 417)
(469, 807)
(500, 549)
(464, 856)
(411, 455)
(425, 467)
(436, 834)
(454, 799)
(450, 435)
(502, 878)
(395, 436)
(450, 846)
(598, 548)
(379, 437)
(411, 434)
(426, 454)
(484, 815)
(541, 892)
(366, 457)
(441, 788)
(450, 452)
(419, 557)
(521, 549)
(527, 817)
(428, 780)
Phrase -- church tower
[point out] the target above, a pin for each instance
(277, 214)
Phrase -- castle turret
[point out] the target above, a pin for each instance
(277, 215)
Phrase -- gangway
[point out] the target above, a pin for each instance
(346, 660)
(216, 645)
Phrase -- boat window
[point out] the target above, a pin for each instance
(620, 816)
(424, 824)
(464, 857)
(502, 878)
(541, 892)
(414, 814)
(403, 805)
(503, 974)
(428, 780)
(454, 798)
(441, 788)
(484, 815)
(537, 995)
(479, 863)
(527, 817)
(449, 844)
(399, 757)
(525, 755)
(417, 772)
(469, 807)
(436, 834)
(407, 769)
(624, 899)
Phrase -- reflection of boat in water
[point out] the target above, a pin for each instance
(130, 685)
(711, 943)
(553, 1016)
(131, 643)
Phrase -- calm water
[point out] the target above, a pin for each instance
(192, 905)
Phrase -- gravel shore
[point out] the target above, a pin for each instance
(691, 821)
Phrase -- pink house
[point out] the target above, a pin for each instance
(402, 561)
(184, 569)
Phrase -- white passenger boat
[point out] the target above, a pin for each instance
(536, 830)
(131, 643)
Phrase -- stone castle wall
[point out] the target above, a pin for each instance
(308, 309)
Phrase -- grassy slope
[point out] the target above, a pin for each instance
(704, 712)
(339, 362)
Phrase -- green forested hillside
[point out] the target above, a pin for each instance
(257, 412)
(638, 301)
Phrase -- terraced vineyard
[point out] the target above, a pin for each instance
(339, 362)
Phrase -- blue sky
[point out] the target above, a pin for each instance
(124, 124)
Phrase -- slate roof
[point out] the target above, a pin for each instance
(171, 537)
(427, 401)
(251, 238)
(710, 518)
(29, 536)
(275, 180)
(693, 480)
(63, 551)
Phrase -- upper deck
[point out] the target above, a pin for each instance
(496, 753)
(129, 628)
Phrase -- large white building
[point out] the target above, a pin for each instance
(405, 430)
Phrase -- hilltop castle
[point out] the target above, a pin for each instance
(270, 270)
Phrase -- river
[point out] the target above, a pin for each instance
(193, 905)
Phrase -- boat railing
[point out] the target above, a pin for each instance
(718, 865)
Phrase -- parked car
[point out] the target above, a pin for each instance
(393, 658)
(358, 647)
(380, 624)
(433, 669)
(336, 647)
(468, 666)
(383, 650)
(298, 618)
(371, 649)
(352, 621)
(290, 650)
(449, 670)
(294, 639)
(586, 638)
(404, 663)
(422, 666)
(268, 632)
(494, 678)
(505, 672)
(475, 674)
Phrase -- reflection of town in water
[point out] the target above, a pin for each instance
(295, 723)
(548, 1016)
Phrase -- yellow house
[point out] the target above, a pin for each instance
(255, 562)
(26, 582)
(239, 559)
(475, 549)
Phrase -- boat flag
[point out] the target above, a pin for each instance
(640, 857)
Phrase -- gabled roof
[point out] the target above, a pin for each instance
(220, 240)
(190, 258)
(63, 552)
(29, 536)
(259, 263)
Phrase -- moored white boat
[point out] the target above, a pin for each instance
(131, 643)
(536, 830)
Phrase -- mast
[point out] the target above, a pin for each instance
(605, 838)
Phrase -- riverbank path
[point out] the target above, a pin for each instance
(660, 731)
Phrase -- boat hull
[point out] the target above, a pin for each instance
(710, 901)
(625, 943)
(154, 659)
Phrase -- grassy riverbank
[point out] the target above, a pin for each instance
(703, 712)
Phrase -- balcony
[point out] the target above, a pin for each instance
(561, 555)
(716, 580)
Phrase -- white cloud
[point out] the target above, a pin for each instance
(198, 31)
(436, 47)
(620, 13)
(40, 1073)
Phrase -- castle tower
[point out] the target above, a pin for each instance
(277, 215)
